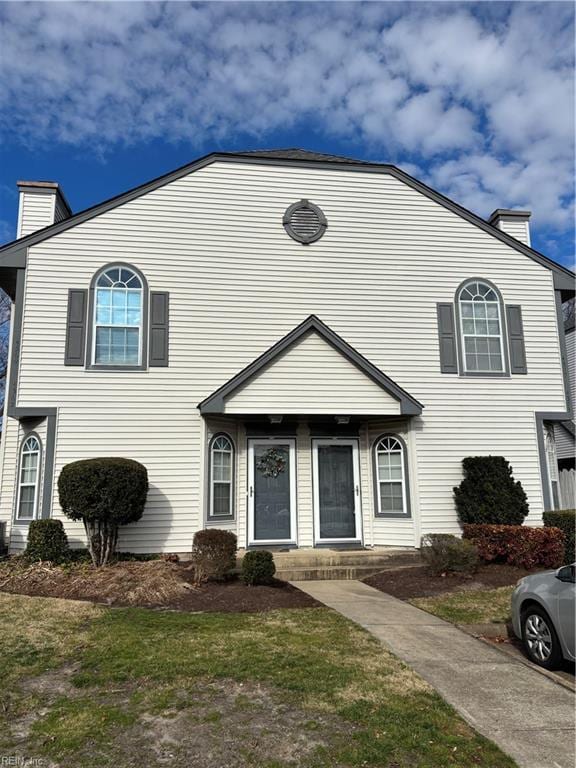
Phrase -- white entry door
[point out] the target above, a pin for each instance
(337, 509)
(272, 491)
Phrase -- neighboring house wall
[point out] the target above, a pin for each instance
(214, 239)
(565, 443)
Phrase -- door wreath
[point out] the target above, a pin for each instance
(272, 462)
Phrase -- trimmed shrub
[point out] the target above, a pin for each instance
(258, 567)
(489, 494)
(47, 540)
(518, 545)
(565, 519)
(104, 493)
(213, 554)
(444, 553)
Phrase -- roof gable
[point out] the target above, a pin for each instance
(346, 360)
(563, 277)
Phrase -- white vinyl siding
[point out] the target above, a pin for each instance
(516, 228)
(312, 377)
(36, 211)
(238, 283)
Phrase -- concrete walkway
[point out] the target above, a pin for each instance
(529, 716)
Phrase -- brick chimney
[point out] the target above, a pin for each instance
(41, 203)
(515, 223)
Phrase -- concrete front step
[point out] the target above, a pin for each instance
(313, 564)
(333, 572)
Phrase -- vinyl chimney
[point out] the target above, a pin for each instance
(41, 203)
(514, 223)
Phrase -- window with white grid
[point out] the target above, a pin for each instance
(221, 478)
(28, 479)
(117, 337)
(481, 328)
(390, 477)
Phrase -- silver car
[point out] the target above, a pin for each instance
(543, 615)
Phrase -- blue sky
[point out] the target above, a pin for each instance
(475, 99)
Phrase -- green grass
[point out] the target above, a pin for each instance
(478, 606)
(210, 671)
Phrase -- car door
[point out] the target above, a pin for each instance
(566, 593)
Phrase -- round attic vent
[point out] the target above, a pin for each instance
(304, 222)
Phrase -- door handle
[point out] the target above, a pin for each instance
(357, 491)
(251, 491)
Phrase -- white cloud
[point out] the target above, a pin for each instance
(479, 96)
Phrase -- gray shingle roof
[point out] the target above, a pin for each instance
(293, 153)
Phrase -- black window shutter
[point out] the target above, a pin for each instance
(76, 327)
(516, 339)
(447, 338)
(159, 317)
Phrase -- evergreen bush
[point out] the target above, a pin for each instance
(489, 494)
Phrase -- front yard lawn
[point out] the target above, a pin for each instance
(89, 686)
(474, 606)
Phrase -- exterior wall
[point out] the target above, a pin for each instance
(214, 239)
(517, 228)
(36, 211)
(60, 210)
(312, 377)
(565, 443)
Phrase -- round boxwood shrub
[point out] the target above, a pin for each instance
(258, 567)
(213, 554)
(47, 540)
(104, 493)
(489, 494)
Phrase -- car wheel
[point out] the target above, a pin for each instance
(540, 638)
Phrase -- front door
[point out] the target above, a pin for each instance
(271, 491)
(336, 491)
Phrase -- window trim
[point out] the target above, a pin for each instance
(552, 466)
(378, 514)
(505, 372)
(90, 335)
(27, 520)
(211, 518)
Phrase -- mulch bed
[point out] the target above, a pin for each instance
(417, 581)
(152, 584)
(236, 597)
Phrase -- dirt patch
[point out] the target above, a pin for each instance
(406, 583)
(152, 584)
(232, 724)
(54, 683)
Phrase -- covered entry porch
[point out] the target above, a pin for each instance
(308, 446)
(312, 482)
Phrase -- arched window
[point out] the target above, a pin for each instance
(480, 311)
(391, 477)
(221, 504)
(118, 317)
(28, 476)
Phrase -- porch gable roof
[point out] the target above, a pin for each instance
(216, 402)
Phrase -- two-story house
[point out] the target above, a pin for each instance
(300, 348)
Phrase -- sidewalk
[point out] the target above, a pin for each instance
(527, 715)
